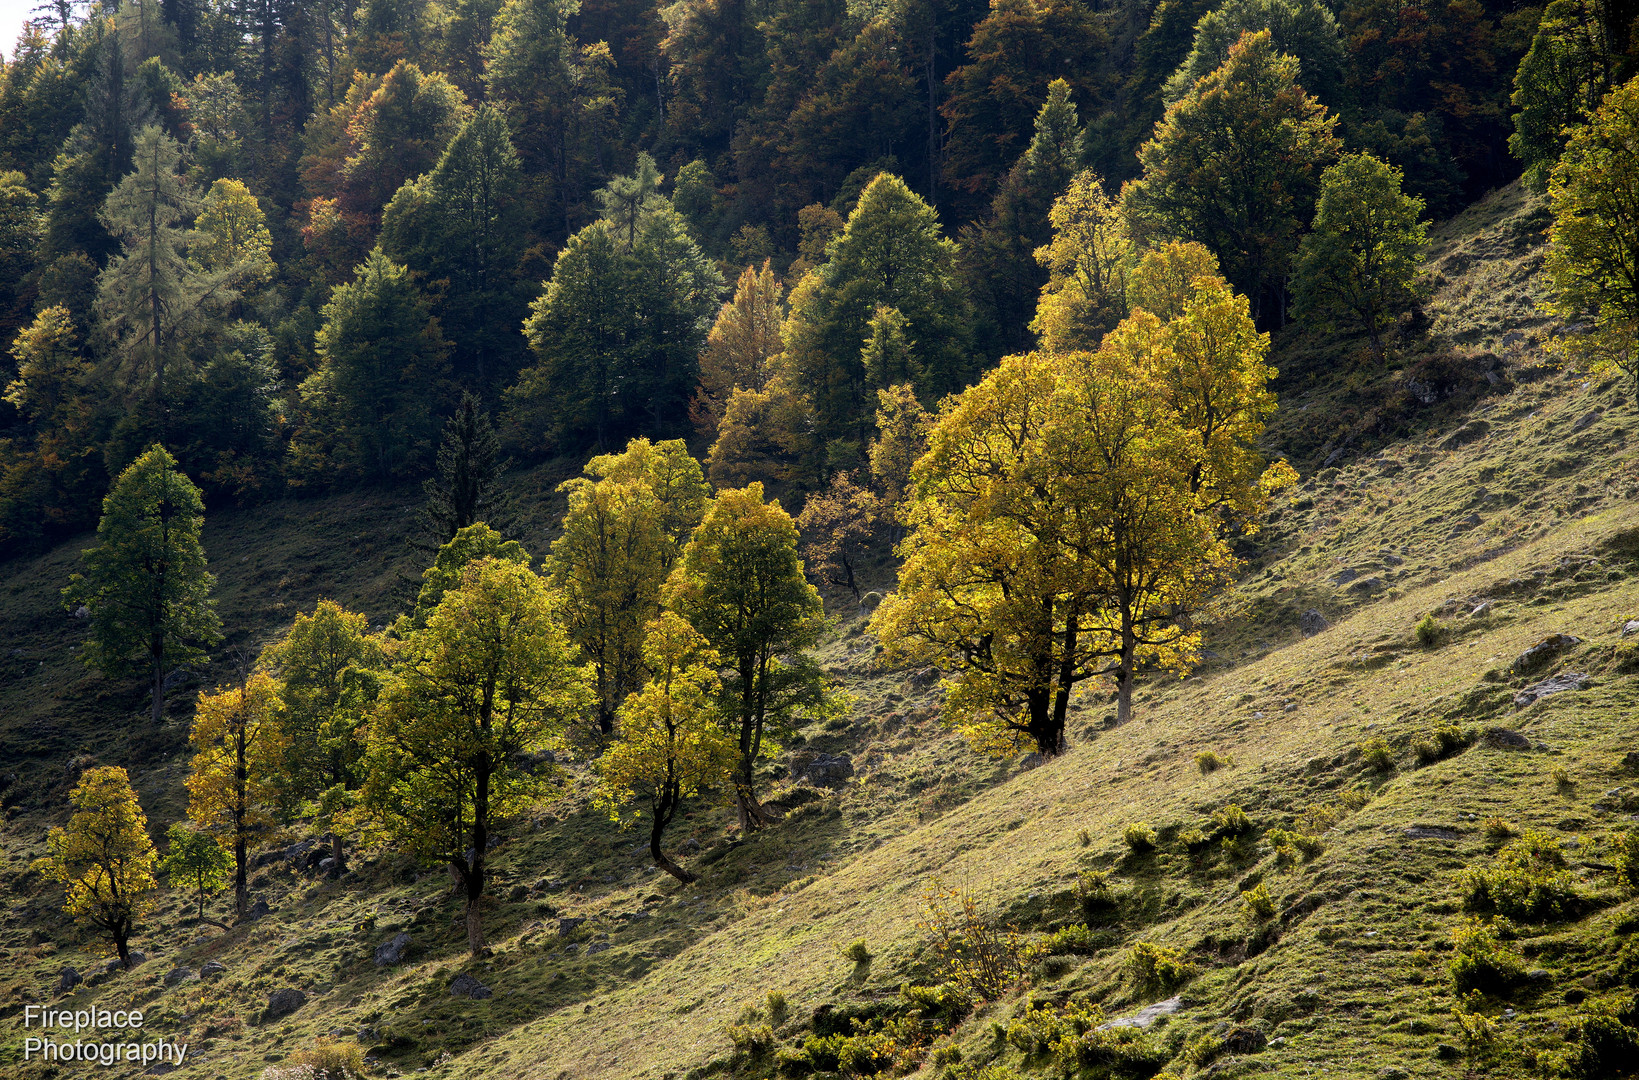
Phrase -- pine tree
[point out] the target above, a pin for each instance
(467, 488)
(145, 582)
(104, 858)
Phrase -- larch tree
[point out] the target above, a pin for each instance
(103, 857)
(1235, 165)
(1305, 29)
(670, 745)
(1358, 264)
(238, 769)
(740, 584)
(739, 346)
(489, 682)
(1593, 243)
(145, 584)
(196, 862)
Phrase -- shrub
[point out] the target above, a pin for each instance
(1151, 967)
(752, 1040)
(1377, 755)
(1497, 830)
(1238, 848)
(1231, 821)
(1209, 762)
(946, 1002)
(1289, 845)
(1604, 1047)
(1094, 894)
(1193, 839)
(1481, 962)
(1441, 743)
(1140, 838)
(332, 1060)
(1562, 780)
(779, 1010)
(858, 952)
(1625, 848)
(1201, 1050)
(1525, 880)
(1085, 837)
(1257, 903)
(1430, 633)
(1478, 1032)
(1121, 1051)
(1316, 818)
(1076, 940)
(975, 953)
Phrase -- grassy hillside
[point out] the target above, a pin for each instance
(1471, 482)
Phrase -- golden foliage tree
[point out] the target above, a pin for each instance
(104, 857)
(479, 693)
(901, 437)
(235, 779)
(836, 524)
(745, 337)
(740, 583)
(1087, 262)
(671, 745)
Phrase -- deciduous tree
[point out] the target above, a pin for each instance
(1567, 72)
(103, 857)
(671, 745)
(836, 524)
(479, 692)
(1087, 260)
(196, 862)
(740, 346)
(145, 582)
(235, 779)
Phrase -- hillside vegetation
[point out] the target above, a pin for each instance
(1360, 704)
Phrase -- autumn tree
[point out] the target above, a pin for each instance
(1594, 194)
(232, 238)
(764, 435)
(740, 345)
(479, 692)
(145, 584)
(901, 437)
(196, 862)
(1234, 165)
(475, 542)
(1087, 260)
(740, 584)
(1304, 29)
(103, 857)
(836, 525)
(234, 781)
(671, 745)
(671, 474)
(1358, 265)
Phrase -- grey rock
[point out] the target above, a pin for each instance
(393, 950)
(466, 986)
(1543, 653)
(1565, 680)
(567, 926)
(1585, 421)
(826, 770)
(1312, 622)
(1630, 627)
(1369, 584)
(283, 1003)
(1146, 1016)
(1539, 975)
(1506, 739)
(82, 612)
(1344, 576)
(179, 677)
(67, 979)
(138, 957)
(210, 969)
(1245, 1040)
(180, 974)
(1481, 609)
(1433, 832)
(597, 947)
(256, 911)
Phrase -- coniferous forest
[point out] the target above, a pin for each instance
(922, 538)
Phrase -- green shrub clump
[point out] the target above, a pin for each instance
(1526, 880)
(1441, 743)
(1076, 940)
(1231, 821)
(1257, 903)
(1377, 755)
(1430, 634)
(1290, 846)
(1625, 847)
(1095, 895)
(1151, 967)
(1481, 962)
(1140, 838)
(1209, 762)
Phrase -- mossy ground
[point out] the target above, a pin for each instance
(1507, 495)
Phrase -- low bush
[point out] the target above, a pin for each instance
(946, 1003)
(1257, 903)
(1497, 830)
(1377, 756)
(1562, 780)
(752, 1040)
(332, 1060)
(1430, 632)
(1140, 838)
(1209, 762)
(1289, 845)
(1625, 849)
(1075, 940)
(1525, 880)
(1231, 821)
(858, 952)
(1095, 895)
(1442, 743)
(779, 1010)
(1482, 962)
(1602, 1046)
(976, 953)
(1193, 839)
(1151, 967)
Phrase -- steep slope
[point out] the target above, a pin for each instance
(1507, 507)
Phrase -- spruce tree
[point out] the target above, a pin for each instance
(145, 584)
(467, 489)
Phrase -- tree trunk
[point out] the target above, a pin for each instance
(663, 814)
(336, 853)
(475, 915)
(157, 716)
(122, 945)
(473, 875)
(1125, 672)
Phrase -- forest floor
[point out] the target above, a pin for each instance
(1468, 478)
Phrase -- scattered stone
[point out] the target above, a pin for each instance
(179, 677)
(1630, 627)
(825, 770)
(1481, 610)
(518, 893)
(393, 950)
(1585, 421)
(1506, 739)
(568, 925)
(137, 957)
(179, 974)
(327, 864)
(1245, 1040)
(1539, 975)
(1543, 653)
(466, 986)
(67, 979)
(82, 612)
(1369, 584)
(210, 969)
(1630, 762)
(1568, 680)
(1344, 576)
(1148, 1015)
(1447, 1052)
(597, 947)
(1312, 622)
(258, 910)
(1433, 832)
(283, 1003)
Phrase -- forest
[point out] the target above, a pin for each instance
(782, 286)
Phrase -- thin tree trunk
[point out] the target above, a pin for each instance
(157, 717)
(664, 811)
(1124, 671)
(122, 945)
(241, 776)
